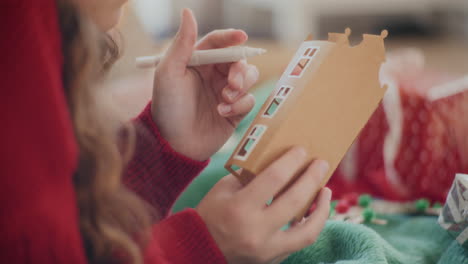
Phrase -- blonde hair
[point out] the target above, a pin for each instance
(113, 220)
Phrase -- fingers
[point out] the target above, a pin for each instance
(306, 233)
(241, 78)
(298, 195)
(269, 182)
(180, 52)
(222, 39)
(238, 109)
(237, 103)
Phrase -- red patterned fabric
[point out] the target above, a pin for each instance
(38, 210)
(413, 144)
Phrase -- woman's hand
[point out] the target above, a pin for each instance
(198, 108)
(247, 230)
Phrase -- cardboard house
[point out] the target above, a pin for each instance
(322, 101)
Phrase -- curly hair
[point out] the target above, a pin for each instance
(113, 220)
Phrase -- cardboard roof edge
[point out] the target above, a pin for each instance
(338, 38)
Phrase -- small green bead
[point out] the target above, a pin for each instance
(364, 200)
(368, 214)
(421, 205)
(437, 205)
(333, 204)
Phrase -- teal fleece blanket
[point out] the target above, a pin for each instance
(412, 240)
(404, 240)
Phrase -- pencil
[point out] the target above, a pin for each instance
(202, 57)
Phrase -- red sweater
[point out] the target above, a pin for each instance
(38, 156)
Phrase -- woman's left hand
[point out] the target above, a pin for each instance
(198, 108)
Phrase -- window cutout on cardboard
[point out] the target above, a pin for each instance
(312, 52)
(271, 110)
(304, 61)
(250, 142)
(283, 91)
(277, 101)
(247, 147)
(297, 71)
(257, 131)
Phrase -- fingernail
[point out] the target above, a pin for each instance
(239, 80)
(323, 166)
(231, 94)
(252, 75)
(224, 109)
(329, 193)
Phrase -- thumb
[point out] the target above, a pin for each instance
(180, 52)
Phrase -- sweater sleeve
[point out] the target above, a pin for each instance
(156, 172)
(38, 211)
(183, 238)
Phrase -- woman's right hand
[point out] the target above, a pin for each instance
(247, 230)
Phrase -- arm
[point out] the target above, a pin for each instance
(159, 174)
(38, 212)
(156, 172)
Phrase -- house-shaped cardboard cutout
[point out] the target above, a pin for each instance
(322, 101)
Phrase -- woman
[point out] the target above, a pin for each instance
(70, 193)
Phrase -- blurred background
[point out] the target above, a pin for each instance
(438, 28)
(427, 48)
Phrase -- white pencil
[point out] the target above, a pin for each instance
(202, 57)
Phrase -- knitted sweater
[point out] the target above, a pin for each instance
(38, 156)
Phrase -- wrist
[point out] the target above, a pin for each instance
(187, 150)
(166, 143)
(177, 140)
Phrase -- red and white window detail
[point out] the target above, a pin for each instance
(304, 62)
(280, 96)
(250, 142)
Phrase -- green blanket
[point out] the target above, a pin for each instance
(405, 239)
(414, 240)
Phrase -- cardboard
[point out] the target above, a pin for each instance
(321, 102)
